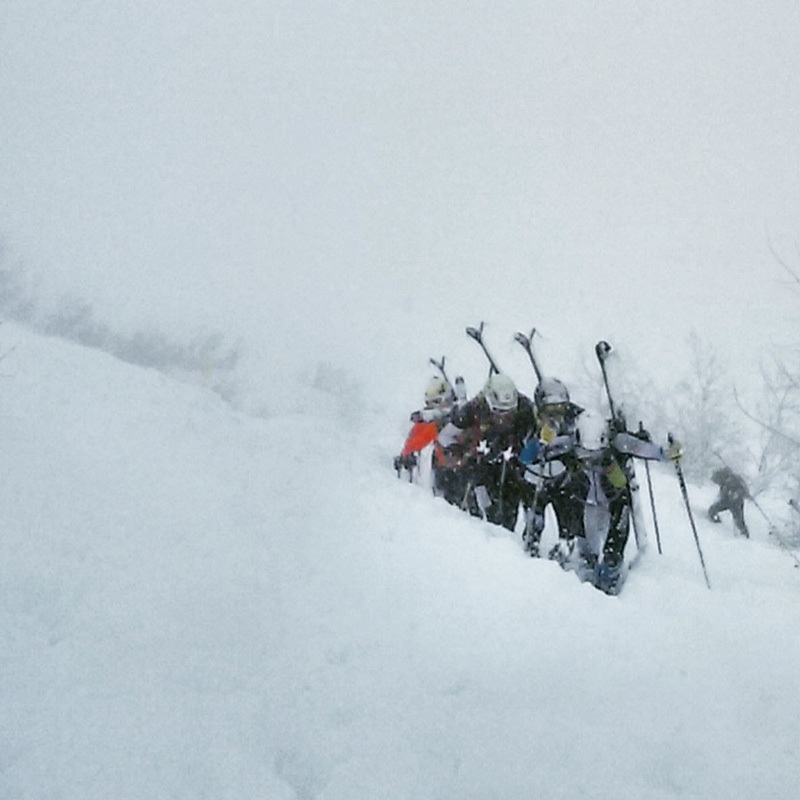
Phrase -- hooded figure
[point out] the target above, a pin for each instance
(733, 492)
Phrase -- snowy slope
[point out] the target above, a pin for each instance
(195, 602)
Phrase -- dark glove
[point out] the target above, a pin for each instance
(405, 462)
(515, 466)
(619, 424)
(674, 450)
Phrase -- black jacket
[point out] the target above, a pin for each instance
(731, 485)
(474, 424)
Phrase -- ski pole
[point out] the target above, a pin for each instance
(506, 455)
(652, 498)
(685, 493)
(408, 463)
(465, 499)
(773, 530)
(782, 543)
(653, 505)
(470, 490)
(530, 516)
(501, 492)
(763, 513)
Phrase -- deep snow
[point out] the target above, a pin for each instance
(198, 602)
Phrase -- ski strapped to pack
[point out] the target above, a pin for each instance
(477, 335)
(527, 343)
(602, 350)
(458, 388)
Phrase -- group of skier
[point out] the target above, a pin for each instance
(502, 453)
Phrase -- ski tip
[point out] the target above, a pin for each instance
(602, 348)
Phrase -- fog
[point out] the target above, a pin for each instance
(371, 178)
(297, 205)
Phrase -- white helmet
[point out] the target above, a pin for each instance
(591, 431)
(550, 392)
(500, 393)
(438, 393)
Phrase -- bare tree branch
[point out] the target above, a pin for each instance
(766, 426)
(795, 276)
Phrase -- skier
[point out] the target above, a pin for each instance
(488, 435)
(549, 481)
(555, 411)
(596, 454)
(733, 492)
(618, 473)
(440, 403)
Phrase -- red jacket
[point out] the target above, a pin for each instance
(420, 436)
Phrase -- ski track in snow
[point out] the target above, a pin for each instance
(201, 603)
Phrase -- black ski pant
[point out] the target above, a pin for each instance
(618, 528)
(451, 484)
(615, 537)
(736, 507)
(566, 495)
(505, 490)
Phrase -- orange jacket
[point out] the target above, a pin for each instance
(420, 436)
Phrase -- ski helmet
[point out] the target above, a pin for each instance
(437, 392)
(591, 431)
(550, 392)
(500, 393)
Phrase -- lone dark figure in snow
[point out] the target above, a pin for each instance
(733, 492)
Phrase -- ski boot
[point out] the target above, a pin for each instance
(531, 546)
(561, 552)
(532, 532)
(586, 567)
(608, 577)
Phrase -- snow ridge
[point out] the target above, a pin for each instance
(197, 602)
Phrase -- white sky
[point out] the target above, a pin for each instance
(375, 176)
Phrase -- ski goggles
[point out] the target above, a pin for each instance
(554, 411)
(436, 402)
(502, 413)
